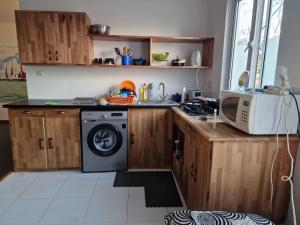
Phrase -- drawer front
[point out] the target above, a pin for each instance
(25, 112)
(62, 113)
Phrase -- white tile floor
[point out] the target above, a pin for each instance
(73, 198)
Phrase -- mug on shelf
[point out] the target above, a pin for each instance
(126, 59)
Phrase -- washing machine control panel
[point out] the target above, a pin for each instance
(104, 115)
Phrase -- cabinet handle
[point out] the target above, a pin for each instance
(26, 112)
(56, 52)
(195, 174)
(49, 52)
(189, 127)
(50, 58)
(61, 112)
(41, 143)
(192, 171)
(131, 139)
(56, 58)
(50, 143)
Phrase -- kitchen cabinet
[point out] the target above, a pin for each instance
(63, 138)
(45, 138)
(53, 37)
(150, 138)
(28, 139)
(225, 169)
(196, 166)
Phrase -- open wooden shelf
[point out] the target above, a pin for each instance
(207, 46)
(148, 67)
(134, 38)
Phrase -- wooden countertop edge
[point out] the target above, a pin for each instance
(232, 134)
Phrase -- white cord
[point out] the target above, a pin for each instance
(197, 80)
(284, 178)
(275, 156)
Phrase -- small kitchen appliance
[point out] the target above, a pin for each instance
(194, 94)
(200, 107)
(258, 113)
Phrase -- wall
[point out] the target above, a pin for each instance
(8, 37)
(211, 81)
(289, 55)
(139, 17)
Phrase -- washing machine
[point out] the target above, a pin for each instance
(104, 140)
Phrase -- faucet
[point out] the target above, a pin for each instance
(163, 97)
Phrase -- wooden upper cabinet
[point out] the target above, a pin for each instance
(53, 37)
(63, 138)
(34, 34)
(150, 138)
(28, 138)
(70, 41)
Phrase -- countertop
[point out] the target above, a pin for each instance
(220, 131)
(68, 103)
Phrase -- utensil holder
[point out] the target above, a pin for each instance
(126, 60)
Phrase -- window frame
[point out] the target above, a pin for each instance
(254, 39)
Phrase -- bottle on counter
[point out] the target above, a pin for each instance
(145, 92)
(151, 92)
(141, 93)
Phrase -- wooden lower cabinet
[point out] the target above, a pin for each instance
(28, 140)
(234, 175)
(63, 139)
(45, 139)
(150, 138)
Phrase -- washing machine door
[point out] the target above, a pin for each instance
(104, 139)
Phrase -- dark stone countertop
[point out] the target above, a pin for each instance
(68, 103)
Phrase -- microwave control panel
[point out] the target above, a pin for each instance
(245, 111)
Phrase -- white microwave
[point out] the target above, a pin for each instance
(258, 113)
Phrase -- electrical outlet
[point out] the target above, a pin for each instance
(39, 73)
(210, 84)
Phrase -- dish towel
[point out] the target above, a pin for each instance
(188, 217)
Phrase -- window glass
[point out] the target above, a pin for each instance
(272, 44)
(242, 37)
(247, 15)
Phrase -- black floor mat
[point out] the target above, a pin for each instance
(160, 187)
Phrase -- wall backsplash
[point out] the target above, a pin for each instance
(136, 17)
(70, 82)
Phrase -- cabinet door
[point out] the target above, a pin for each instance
(150, 138)
(34, 36)
(189, 167)
(70, 38)
(63, 138)
(28, 139)
(202, 172)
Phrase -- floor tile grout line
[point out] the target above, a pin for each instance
(90, 200)
(127, 207)
(52, 199)
(17, 197)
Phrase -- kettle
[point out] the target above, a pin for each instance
(196, 58)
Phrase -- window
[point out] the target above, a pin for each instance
(255, 41)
